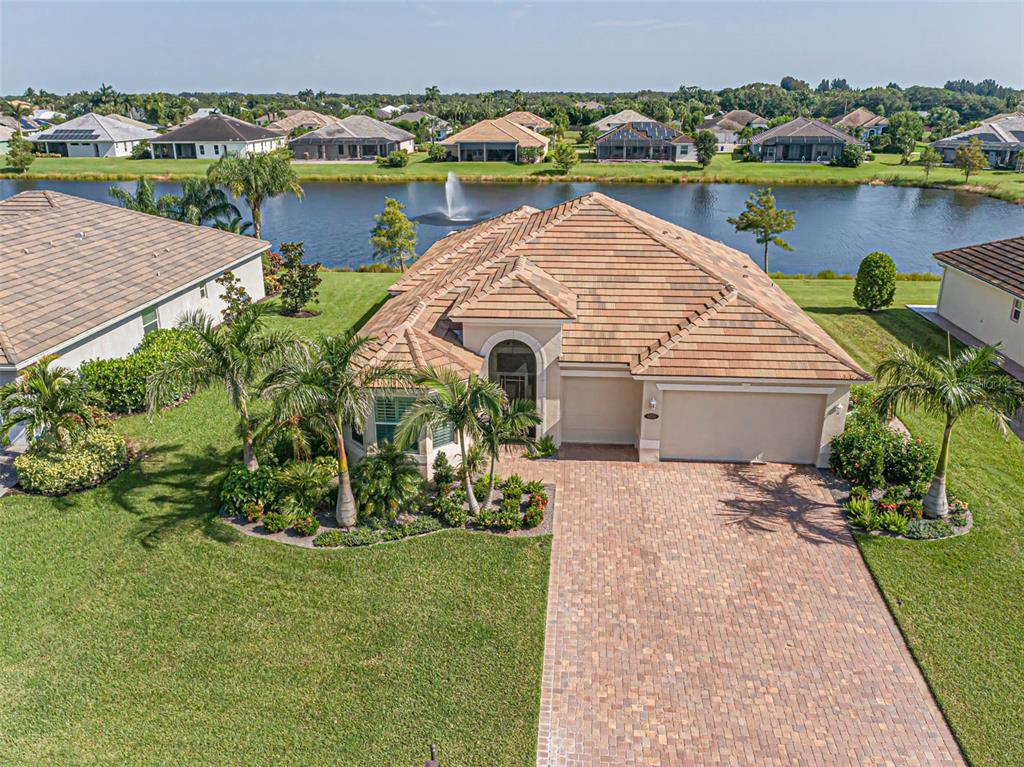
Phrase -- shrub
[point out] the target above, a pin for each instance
(437, 153)
(528, 155)
(235, 297)
(141, 151)
(422, 525)
(444, 472)
(399, 158)
(276, 521)
(242, 487)
(858, 454)
(928, 529)
(851, 156)
(862, 513)
(892, 522)
(299, 282)
(875, 287)
(386, 482)
(909, 462)
(252, 511)
(543, 447)
(505, 517)
(513, 487)
(534, 486)
(451, 508)
(307, 525)
(89, 459)
(119, 385)
(481, 484)
(533, 515)
(859, 493)
(306, 483)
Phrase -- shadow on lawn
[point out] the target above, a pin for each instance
(902, 324)
(770, 502)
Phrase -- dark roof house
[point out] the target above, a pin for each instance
(643, 142)
(356, 137)
(800, 140)
(1001, 141)
(214, 136)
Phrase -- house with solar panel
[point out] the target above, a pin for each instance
(216, 136)
(93, 135)
(646, 141)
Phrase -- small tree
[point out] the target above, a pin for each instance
(564, 156)
(394, 236)
(528, 155)
(851, 156)
(875, 287)
(437, 153)
(929, 158)
(299, 282)
(905, 129)
(48, 400)
(906, 145)
(19, 152)
(142, 151)
(235, 296)
(765, 220)
(507, 426)
(969, 158)
(706, 145)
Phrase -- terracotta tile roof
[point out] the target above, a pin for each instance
(736, 120)
(301, 118)
(999, 263)
(528, 118)
(69, 265)
(625, 116)
(632, 291)
(500, 129)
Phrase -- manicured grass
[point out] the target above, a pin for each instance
(136, 628)
(885, 168)
(958, 602)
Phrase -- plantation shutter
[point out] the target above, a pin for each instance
(388, 413)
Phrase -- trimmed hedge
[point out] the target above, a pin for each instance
(93, 457)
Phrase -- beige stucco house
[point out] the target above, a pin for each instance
(982, 293)
(623, 329)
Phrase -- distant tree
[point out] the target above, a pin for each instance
(944, 122)
(588, 133)
(823, 86)
(851, 156)
(765, 220)
(143, 201)
(564, 156)
(905, 144)
(299, 281)
(794, 84)
(142, 150)
(394, 236)
(235, 225)
(433, 93)
(706, 145)
(929, 158)
(235, 297)
(256, 178)
(969, 158)
(19, 152)
(905, 130)
(875, 287)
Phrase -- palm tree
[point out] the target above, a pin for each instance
(237, 355)
(256, 177)
(952, 387)
(47, 400)
(200, 202)
(449, 399)
(509, 425)
(143, 201)
(329, 385)
(386, 482)
(235, 224)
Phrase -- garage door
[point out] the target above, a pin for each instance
(601, 410)
(739, 426)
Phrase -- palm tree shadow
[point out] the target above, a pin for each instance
(770, 503)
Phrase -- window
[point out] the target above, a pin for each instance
(150, 322)
(442, 435)
(204, 290)
(202, 149)
(1018, 307)
(216, 148)
(388, 412)
(357, 434)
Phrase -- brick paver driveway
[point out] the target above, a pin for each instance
(710, 614)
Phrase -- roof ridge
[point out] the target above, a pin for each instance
(726, 295)
(524, 266)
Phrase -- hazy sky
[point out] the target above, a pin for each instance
(399, 47)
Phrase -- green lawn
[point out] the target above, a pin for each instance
(959, 602)
(136, 628)
(884, 169)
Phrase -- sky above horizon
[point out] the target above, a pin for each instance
(403, 47)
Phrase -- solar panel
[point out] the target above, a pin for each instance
(74, 135)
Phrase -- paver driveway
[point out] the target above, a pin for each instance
(710, 614)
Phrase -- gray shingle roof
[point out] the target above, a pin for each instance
(803, 128)
(354, 127)
(1006, 133)
(216, 127)
(102, 127)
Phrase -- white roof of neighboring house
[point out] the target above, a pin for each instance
(1006, 133)
(6, 132)
(620, 118)
(94, 127)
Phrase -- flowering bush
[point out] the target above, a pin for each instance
(90, 458)
(243, 487)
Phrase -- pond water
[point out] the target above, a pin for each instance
(836, 226)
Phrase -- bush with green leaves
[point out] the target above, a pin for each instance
(875, 287)
(437, 153)
(305, 484)
(928, 529)
(482, 484)
(506, 517)
(543, 447)
(386, 482)
(533, 515)
(399, 158)
(242, 487)
(892, 522)
(277, 521)
(451, 508)
(851, 156)
(89, 458)
(367, 536)
(118, 385)
(513, 487)
(307, 525)
(299, 281)
(858, 454)
(862, 513)
(910, 462)
(528, 155)
(444, 472)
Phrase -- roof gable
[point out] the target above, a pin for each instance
(803, 128)
(216, 127)
(500, 129)
(95, 127)
(999, 263)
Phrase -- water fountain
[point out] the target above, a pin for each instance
(456, 211)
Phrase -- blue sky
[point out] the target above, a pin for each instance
(399, 47)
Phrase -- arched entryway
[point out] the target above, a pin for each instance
(513, 366)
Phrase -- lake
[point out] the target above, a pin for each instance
(836, 226)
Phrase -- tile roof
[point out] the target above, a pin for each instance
(500, 129)
(803, 128)
(999, 263)
(415, 117)
(69, 265)
(528, 118)
(735, 120)
(632, 291)
(1004, 133)
(861, 117)
(100, 127)
(354, 127)
(216, 127)
(625, 116)
(301, 118)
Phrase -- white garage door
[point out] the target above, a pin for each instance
(601, 410)
(740, 426)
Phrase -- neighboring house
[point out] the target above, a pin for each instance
(644, 141)
(83, 279)
(982, 293)
(132, 121)
(292, 119)
(605, 124)
(1002, 116)
(591, 106)
(92, 135)
(439, 129)
(1001, 141)
(6, 132)
(216, 136)
(862, 121)
(47, 115)
(494, 140)
(800, 140)
(202, 112)
(27, 124)
(388, 112)
(728, 125)
(622, 328)
(356, 137)
(529, 120)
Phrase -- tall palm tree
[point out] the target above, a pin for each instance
(235, 224)
(47, 400)
(450, 399)
(951, 387)
(143, 201)
(329, 384)
(238, 356)
(256, 178)
(507, 426)
(200, 202)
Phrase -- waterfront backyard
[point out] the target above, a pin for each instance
(138, 628)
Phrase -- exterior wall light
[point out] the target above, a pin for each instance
(653, 403)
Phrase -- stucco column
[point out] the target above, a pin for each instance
(649, 450)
